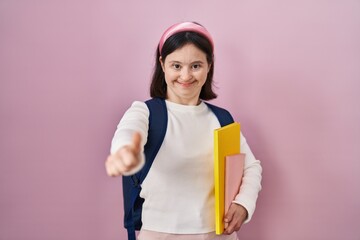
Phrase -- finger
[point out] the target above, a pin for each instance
(113, 172)
(127, 158)
(115, 166)
(230, 214)
(110, 168)
(123, 165)
(232, 226)
(226, 225)
(136, 141)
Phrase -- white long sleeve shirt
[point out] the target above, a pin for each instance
(179, 188)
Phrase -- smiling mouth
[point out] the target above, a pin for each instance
(186, 84)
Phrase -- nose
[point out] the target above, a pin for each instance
(185, 74)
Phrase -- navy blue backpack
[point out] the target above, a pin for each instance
(132, 184)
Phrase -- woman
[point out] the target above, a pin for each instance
(179, 188)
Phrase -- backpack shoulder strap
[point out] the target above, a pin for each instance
(222, 114)
(158, 119)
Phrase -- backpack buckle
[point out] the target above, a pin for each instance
(136, 181)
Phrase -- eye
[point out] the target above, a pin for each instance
(196, 66)
(176, 66)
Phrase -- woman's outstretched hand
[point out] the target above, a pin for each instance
(124, 159)
(234, 218)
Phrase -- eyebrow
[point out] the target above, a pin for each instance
(198, 61)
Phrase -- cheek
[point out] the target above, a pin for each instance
(203, 76)
(170, 75)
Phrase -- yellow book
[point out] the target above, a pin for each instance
(226, 142)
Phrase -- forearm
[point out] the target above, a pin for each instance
(134, 120)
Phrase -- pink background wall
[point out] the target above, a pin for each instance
(288, 70)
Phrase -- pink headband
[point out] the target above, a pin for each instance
(183, 27)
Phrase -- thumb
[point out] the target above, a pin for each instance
(136, 141)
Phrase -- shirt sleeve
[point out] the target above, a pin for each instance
(251, 181)
(135, 119)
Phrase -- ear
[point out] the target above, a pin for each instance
(162, 63)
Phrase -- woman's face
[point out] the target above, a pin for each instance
(185, 72)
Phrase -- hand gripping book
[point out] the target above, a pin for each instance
(226, 143)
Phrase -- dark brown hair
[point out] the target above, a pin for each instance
(176, 41)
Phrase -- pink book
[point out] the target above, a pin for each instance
(234, 169)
